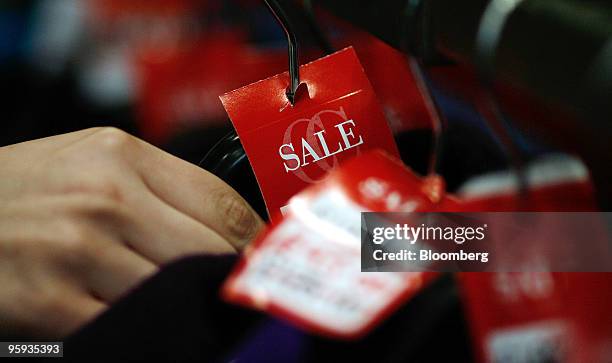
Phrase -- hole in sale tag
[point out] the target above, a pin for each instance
(336, 117)
(306, 269)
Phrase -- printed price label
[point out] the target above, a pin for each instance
(307, 268)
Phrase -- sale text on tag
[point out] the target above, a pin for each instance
(335, 117)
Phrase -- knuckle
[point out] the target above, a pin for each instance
(73, 240)
(236, 215)
(106, 193)
(101, 188)
(99, 212)
(112, 139)
(103, 206)
(83, 242)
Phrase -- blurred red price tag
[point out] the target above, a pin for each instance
(306, 269)
(539, 316)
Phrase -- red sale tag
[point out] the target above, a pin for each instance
(539, 316)
(293, 146)
(306, 269)
(517, 316)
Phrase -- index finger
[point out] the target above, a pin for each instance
(197, 193)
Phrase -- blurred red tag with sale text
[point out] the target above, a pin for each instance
(307, 268)
(540, 316)
(336, 117)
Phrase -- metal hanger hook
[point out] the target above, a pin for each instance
(488, 38)
(294, 67)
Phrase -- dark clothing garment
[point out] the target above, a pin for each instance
(177, 316)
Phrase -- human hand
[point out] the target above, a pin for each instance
(86, 216)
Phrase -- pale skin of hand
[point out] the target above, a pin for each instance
(86, 216)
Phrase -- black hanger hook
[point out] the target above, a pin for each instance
(294, 68)
(488, 38)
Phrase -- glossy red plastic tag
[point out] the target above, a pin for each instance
(336, 116)
(307, 268)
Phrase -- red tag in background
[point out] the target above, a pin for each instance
(291, 147)
(517, 316)
(588, 298)
(392, 76)
(144, 24)
(306, 268)
(179, 86)
(539, 316)
(555, 183)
